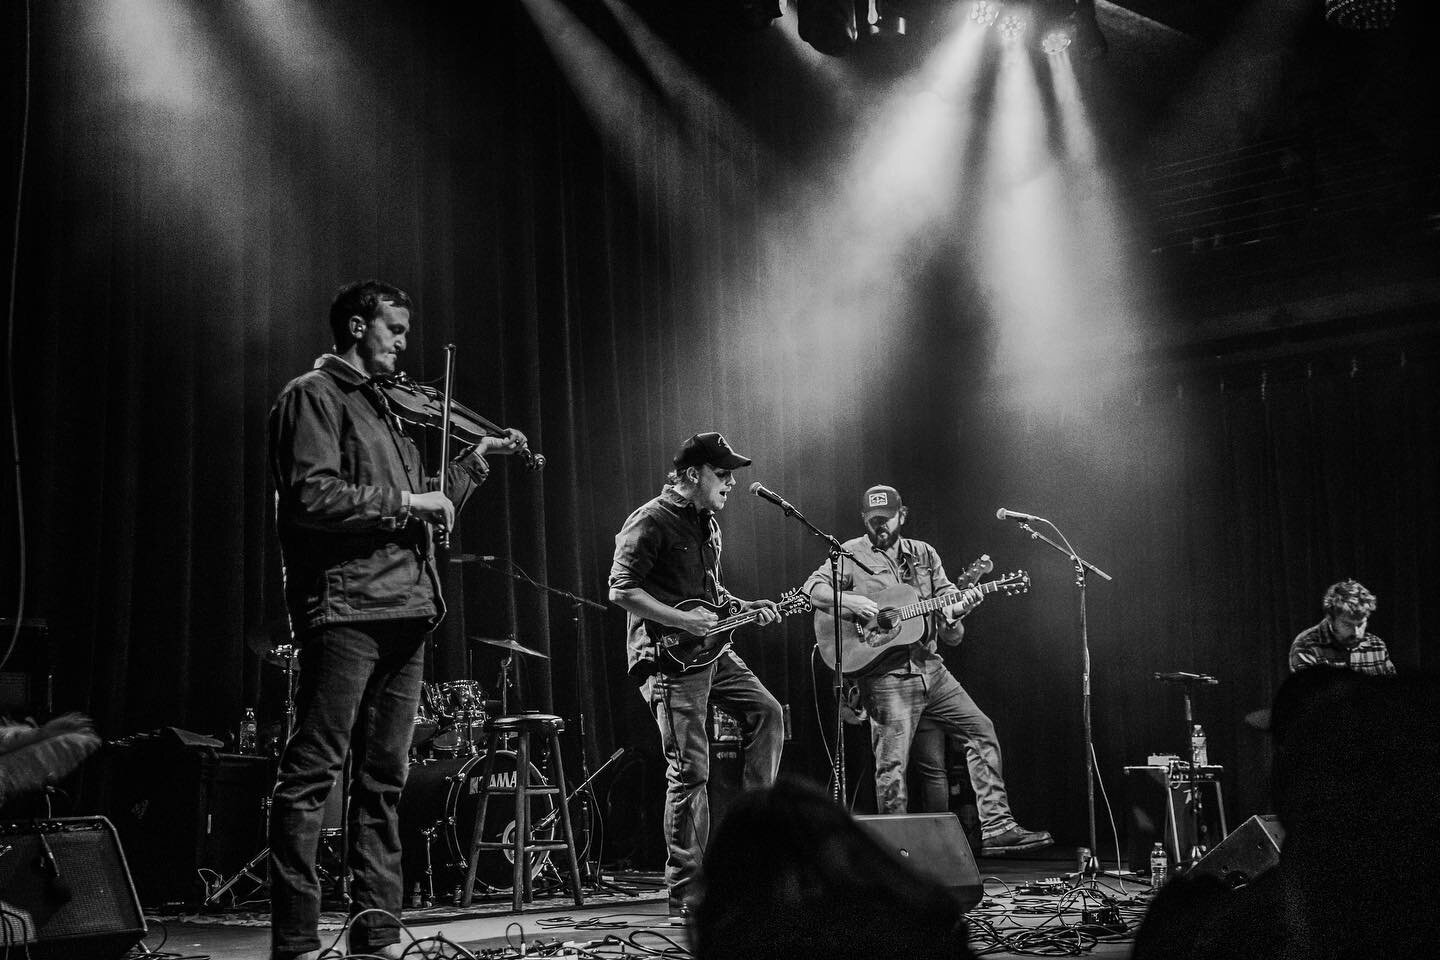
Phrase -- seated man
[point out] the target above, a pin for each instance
(1340, 640)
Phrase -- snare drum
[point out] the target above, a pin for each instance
(437, 815)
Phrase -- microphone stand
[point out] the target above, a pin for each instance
(837, 550)
(1081, 565)
(1198, 823)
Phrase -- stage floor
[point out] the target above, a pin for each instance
(1015, 919)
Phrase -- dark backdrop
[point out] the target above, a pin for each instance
(195, 191)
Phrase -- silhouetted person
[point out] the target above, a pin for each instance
(790, 874)
(1354, 785)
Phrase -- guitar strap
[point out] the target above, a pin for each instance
(711, 551)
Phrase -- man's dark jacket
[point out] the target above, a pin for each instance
(340, 462)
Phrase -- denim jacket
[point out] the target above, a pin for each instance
(340, 461)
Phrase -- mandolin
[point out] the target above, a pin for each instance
(681, 651)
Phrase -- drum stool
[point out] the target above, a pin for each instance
(522, 727)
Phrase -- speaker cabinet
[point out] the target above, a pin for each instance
(65, 891)
(934, 846)
(182, 809)
(1252, 849)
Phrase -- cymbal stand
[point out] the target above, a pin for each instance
(286, 653)
(248, 870)
(594, 880)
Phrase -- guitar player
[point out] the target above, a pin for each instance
(668, 552)
(912, 681)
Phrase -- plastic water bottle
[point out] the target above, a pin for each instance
(248, 727)
(1199, 755)
(1159, 866)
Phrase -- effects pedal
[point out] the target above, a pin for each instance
(1050, 886)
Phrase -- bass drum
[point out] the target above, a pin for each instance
(437, 815)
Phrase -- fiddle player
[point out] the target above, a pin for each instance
(668, 552)
(354, 512)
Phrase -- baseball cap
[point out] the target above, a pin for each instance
(880, 499)
(711, 448)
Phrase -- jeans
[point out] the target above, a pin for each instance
(929, 769)
(896, 702)
(680, 705)
(358, 689)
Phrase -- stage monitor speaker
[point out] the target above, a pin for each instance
(182, 810)
(65, 891)
(1249, 851)
(934, 846)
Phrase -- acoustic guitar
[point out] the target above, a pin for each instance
(681, 651)
(866, 647)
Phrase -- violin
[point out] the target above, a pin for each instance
(424, 406)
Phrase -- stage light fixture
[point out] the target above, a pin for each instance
(827, 25)
(985, 13)
(1011, 26)
(757, 14)
(1056, 40)
(1360, 14)
(1090, 43)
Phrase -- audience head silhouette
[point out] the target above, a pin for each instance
(788, 873)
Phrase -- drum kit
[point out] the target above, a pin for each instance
(443, 788)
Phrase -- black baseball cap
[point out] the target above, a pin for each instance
(711, 448)
(880, 499)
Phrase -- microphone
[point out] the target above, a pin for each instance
(1003, 514)
(764, 493)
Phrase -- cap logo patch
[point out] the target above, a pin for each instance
(720, 441)
(880, 499)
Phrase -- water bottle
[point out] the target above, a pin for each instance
(248, 728)
(1159, 866)
(1199, 755)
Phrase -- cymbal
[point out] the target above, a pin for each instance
(509, 644)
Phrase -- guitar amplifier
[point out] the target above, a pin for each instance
(65, 891)
(1162, 809)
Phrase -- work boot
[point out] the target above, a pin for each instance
(1015, 839)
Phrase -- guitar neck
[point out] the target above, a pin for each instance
(942, 600)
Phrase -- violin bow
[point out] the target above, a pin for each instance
(444, 532)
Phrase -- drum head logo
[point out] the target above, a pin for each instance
(499, 780)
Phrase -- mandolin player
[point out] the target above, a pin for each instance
(668, 552)
(911, 681)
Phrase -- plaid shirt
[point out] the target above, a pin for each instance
(1318, 646)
